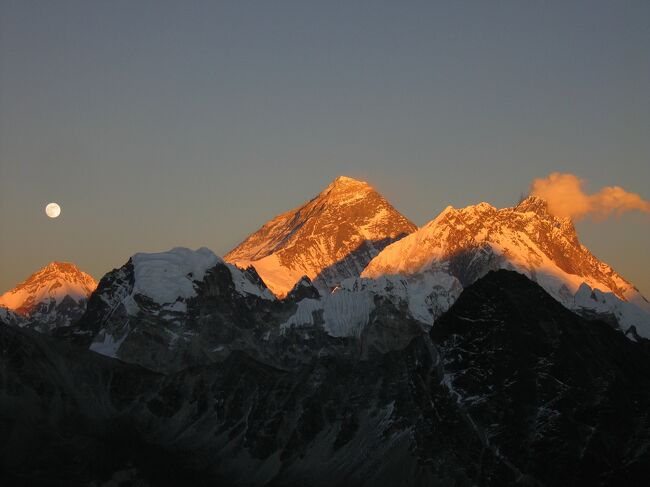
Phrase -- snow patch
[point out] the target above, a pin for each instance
(245, 285)
(109, 346)
(345, 312)
(427, 295)
(627, 314)
(304, 315)
(166, 277)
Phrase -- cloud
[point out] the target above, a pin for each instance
(565, 197)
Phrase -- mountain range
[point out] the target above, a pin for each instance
(466, 243)
(509, 388)
(337, 345)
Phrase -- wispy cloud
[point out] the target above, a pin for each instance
(566, 197)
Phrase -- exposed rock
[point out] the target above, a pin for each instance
(510, 388)
(328, 239)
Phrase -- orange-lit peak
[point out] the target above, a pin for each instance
(347, 183)
(53, 282)
(347, 179)
(534, 204)
(331, 237)
(61, 267)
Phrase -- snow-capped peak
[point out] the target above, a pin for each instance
(50, 285)
(346, 181)
(169, 289)
(170, 278)
(521, 231)
(345, 184)
(328, 239)
(468, 242)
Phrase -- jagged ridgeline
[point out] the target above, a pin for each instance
(337, 345)
(328, 239)
(508, 386)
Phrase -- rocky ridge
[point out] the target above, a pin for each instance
(510, 387)
(464, 244)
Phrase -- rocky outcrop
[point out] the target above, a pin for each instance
(509, 388)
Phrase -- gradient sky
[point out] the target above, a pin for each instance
(158, 124)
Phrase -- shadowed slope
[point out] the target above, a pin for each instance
(563, 400)
(514, 389)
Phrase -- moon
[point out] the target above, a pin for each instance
(52, 210)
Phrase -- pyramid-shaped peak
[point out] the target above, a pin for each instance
(347, 183)
(65, 271)
(51, 283)
(329, 238)
(348, 180)
(345, 191)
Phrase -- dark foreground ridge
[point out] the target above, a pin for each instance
(510, 388)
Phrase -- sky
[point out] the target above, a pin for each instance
(158, 124)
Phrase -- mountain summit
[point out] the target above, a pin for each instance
(468, 242)
(328, 239)
(51, 297)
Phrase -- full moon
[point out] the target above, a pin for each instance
(52, 210)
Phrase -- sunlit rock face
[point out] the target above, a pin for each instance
(467, 243)
(53, 297)
(328, 239)
(508, 388)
